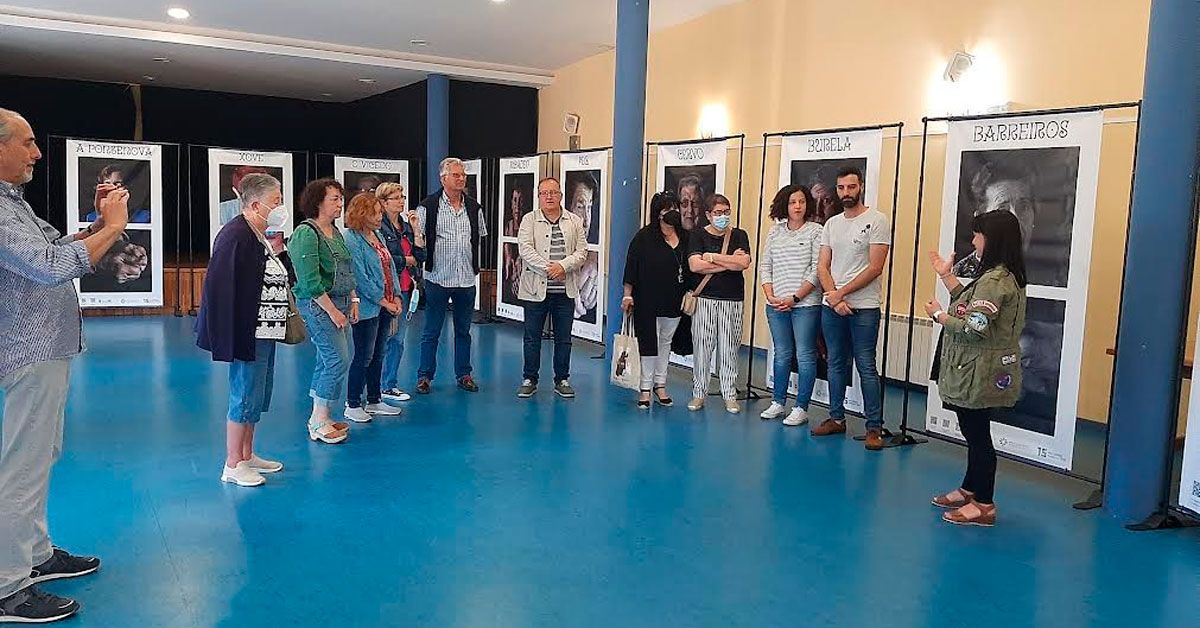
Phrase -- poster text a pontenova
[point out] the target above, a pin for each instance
(1044, 169)
(813, 160)
(141, 167)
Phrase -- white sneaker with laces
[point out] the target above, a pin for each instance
(243, 475)
(382, 409)
(358, 415)
(262, 465)
(774, 411)
(797, 417)
(395, 394)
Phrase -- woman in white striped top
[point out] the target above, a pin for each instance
(789, 281)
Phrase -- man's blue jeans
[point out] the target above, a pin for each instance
(561, 310)
(794, 335)
(437, 301)
(846, 337)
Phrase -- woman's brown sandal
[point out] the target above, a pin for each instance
(954, 499)
(972, 514)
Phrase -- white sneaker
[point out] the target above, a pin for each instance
(243, 475)
(797, 417)
(395, 394)
(382, 409)
(262, 465)
(358, 415)
(773, 412)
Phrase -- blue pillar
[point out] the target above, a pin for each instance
(437, 128)
(629, 128)
(1157, 271)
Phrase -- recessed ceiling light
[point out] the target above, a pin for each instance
(161, 60)
(148, 78)
(327, 94)
(497, 1)
(366, 80)
(179, 13)
(418, 42)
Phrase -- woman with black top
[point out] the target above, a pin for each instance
(717, 323)
(656, 277)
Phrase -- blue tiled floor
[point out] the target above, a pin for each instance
(483, 510)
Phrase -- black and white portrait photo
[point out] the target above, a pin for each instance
(124, 268)
(1037, 185)
(230, 177)
(692, 184)
(518, 201)
(510, 275)
(581, 196)
(131, 174)
(366, 182)
(1041, 359)
(820, 175)
(589, 289)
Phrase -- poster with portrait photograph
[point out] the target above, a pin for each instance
(584, 178)
(130, 274)
(473, 168)
(814, 160)
(225, 171)
(359, 175)
(517, 197)
(1189, 480)
(693, 170)
(1043, 169)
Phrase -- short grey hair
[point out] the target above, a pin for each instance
(447, 162)
(7, 116)
(256, 186)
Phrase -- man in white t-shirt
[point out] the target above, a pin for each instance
(854, 249)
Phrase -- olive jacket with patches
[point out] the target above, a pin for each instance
(979, 364)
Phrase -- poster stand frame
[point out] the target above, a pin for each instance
(50, 138)
(491, 214)
(306, 159)
(905, 428)
(749, 395)
(891, 440)
(604, 229)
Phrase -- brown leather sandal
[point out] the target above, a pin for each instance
(954, 499)
(972, 514)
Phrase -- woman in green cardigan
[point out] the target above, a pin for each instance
(326, 299)
(978, 367)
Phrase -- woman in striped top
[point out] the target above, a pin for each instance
(789, 281)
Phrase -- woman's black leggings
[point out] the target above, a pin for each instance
(976, 427)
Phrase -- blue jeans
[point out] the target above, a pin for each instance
(794, 335)
(333, 352)
(370, 339)
(847, 336)
(561, 310)
(437, 301)
(394, 351)
(250, 384)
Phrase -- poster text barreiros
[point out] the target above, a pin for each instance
(84, 149)
(1021, 131)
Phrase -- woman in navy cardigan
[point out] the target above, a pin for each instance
(379, 288)
(243, 312)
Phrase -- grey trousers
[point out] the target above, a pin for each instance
(35, 400)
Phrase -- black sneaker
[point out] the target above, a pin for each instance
(31, 605)
(62, 564)
(423, 385)
(467, 383)
(528, 387)
(564, 390)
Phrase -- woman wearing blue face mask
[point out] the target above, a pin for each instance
(719, 252)
(242, 314)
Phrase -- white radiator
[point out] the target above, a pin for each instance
(898, 348)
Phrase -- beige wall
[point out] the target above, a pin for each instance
(778, 65)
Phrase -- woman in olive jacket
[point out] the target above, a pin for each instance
(978, 364)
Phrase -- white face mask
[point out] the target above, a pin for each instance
(277, 218)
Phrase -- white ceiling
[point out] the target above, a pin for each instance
(306, 48)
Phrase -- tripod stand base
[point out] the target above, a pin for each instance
(1162, 521)
(1091, 502)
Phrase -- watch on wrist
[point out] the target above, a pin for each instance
(795, 300)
